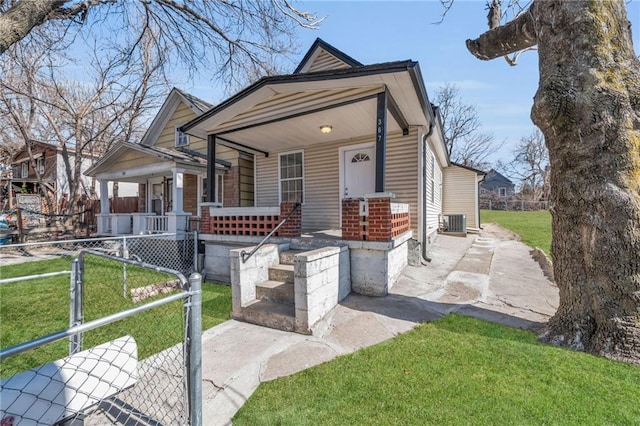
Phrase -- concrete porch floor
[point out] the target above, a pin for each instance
(490, 276)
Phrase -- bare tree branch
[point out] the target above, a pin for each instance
(518, 34)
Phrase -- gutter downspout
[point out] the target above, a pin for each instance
(423, 248)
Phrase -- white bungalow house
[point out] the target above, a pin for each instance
(348, 159)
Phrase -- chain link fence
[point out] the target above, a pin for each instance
(126, 350)
(512, 203)
(173, 251)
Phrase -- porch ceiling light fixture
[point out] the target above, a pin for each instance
(326, 129)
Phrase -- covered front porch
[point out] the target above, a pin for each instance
(171, 184)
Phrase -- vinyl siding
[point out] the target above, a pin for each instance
(433, 208)
(321, 209)
(460, 194)
(181, 115)
(326, 61)
(133, 159)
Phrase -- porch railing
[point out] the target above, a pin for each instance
(156, 223)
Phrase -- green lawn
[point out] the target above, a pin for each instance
(31, 309)
(454, 371)
(534, 228)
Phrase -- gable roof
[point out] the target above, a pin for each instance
(494, 175)
(180, 156)
(173, 100)
(322, 56)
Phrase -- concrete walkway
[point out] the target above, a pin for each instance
(490, 276)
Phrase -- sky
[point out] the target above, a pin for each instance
(382, 31)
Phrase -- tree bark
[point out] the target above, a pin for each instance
(20, 19)
(514, 36)
(588, 108)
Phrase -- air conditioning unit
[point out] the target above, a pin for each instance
(455, 223)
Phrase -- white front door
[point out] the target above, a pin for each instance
(359, 169)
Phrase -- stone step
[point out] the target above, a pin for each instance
(286, 257)
(283, 273)
(268, 314)
(276, 291)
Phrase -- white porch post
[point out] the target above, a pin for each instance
(103, 218)
(178, 191)
(104, 196)
(177, 218)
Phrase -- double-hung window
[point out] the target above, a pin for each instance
(182, 139)
(291, 173)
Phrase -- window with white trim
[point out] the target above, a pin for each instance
(40, 165)
(219, 193)
(24, 172)
(502, 192)
(182, 139)
(291, 177)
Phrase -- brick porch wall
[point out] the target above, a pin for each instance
(253, 225)
(381, 223)
(231, 197)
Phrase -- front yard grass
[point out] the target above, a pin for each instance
(31, 309)
(533, 227)
(456, 370)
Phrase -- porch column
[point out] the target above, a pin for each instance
(211, 168)
(178, 191)
(381, 139)
(104, 196)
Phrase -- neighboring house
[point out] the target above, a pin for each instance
(170, 169)
(497, 184)
(46, 161)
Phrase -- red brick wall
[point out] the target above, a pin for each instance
(142, 197)
(190, 194)
(352, 222)
(205, 220)
(253, 225)
(293, 226)
(232, 187)
(379, 225)
(379, 219)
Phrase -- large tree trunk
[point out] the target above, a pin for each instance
(588, 107)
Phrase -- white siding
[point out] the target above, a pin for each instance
(434, 193)
(326, 61)
(321, 209)
(461, 194)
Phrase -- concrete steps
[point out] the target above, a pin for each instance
(282, 273)
(274, 306)
(276, 291)
(269, 314)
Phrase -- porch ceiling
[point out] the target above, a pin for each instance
(348, 121)
(288, 114)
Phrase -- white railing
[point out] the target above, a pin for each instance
(156, 223)
(105, 224)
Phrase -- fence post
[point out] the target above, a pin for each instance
(193, 310)
(76, 311)
(195, 252)
(125, 255)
